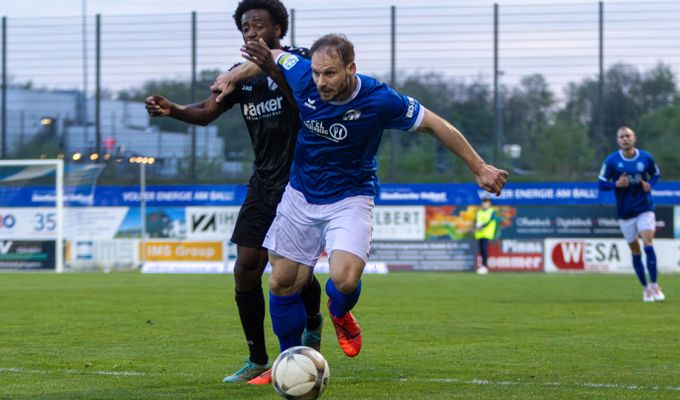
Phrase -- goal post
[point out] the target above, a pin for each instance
(20, 175)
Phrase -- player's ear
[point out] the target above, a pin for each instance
(277, 31)
(352, 68)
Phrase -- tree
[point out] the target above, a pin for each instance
(658, 132)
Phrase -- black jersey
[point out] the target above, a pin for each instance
(273, 124)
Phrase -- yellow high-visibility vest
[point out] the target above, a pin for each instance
(488, 222)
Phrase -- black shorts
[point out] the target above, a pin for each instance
(256, 215)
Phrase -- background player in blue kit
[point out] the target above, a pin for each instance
(272, 134)
(329, 199)
(632, 173)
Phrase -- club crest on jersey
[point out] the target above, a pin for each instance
(640, 166)
(288, 61)
(351, 115)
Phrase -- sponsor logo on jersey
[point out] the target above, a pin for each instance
(310, 103)
(271, 84)
(411, 107)
(263, 109)
(247, 88)
(288, 61)
(335, 133)
(351, 115)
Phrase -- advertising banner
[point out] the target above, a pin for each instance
(25, 254)
(28, 223)
(526, 222)
(399, 223)
(115, 252)
(515, 255)
(210, 223)
(181, 251)
(425, 256)
(93, 223)
(604, 255)
(456, 194)
(183, 257)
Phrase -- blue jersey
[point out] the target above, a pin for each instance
(631, 201)
(335, 150)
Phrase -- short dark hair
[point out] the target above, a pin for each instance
(276, 10)
(336, 45)
(486, 200)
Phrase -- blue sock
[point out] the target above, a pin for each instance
(288, 319)
(341, 303)
(639, 269)
(651, 263)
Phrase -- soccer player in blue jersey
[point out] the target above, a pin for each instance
(329, 199)
(632, 173)
(272, 123)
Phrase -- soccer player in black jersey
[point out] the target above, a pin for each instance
(272, 123)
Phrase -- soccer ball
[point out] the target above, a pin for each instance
(300, 373)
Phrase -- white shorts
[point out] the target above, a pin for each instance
(301, 230)
(632, 226)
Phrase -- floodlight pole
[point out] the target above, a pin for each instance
(3, 149)
(393, 83)
(98, 99)
(496, 73)
(142, 211)
(193, 94)
(292, 27)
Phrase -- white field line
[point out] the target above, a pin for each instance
(85, 372)
(481, 382)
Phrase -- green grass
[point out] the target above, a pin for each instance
(426, 335)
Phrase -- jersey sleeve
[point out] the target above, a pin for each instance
(298, 73)
(606, 176)
(605, 172)
(400, 112)
(653, 171)
(232, 98)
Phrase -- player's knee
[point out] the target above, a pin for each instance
(346, 285)
(246, 278)
(281, 286)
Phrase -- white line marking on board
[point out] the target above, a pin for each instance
(481, 382)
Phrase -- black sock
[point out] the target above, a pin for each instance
(251, 310)
(311, 296)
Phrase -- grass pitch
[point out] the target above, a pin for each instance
(426, 335)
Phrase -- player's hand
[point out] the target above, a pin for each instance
(491, 179)
(224, 85)
(623, 181)
(646, 187)
(258, 53)
(158, 106)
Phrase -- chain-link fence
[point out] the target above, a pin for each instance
(506, 75)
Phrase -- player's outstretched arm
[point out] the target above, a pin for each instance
(227, 82)
(201, 113)
(487, 176)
